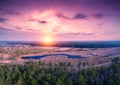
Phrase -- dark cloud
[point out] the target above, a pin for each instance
(3, 19)
(42, 22)
(100, 24)
(31, 30)
(98, 15)
(32, 20)
(85, 33)
(8, 12)
(80, 16)
(73, 33)
(39, 21)
(10, 33)
(60, 15)
(18, 28)
(5, 29)
(77, 16)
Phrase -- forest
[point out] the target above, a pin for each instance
(36, 73)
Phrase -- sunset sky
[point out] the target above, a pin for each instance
(59, 20)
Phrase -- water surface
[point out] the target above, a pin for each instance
(42, 56)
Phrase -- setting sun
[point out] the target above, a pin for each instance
(48, 40)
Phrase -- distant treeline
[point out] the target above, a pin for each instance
(81, 44)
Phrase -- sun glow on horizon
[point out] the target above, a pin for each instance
(48, 40)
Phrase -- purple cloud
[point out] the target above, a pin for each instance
(60, 15)
(42, 22)
(32, 20)
(2, 28)
(100, 24)
(39, 21)
(18, 28)
(77, 16)
(80, 16)
(3, 19)
(78, 33)
(8, 12)
(98, 15)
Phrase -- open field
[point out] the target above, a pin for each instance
(20, 54)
